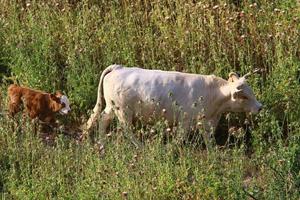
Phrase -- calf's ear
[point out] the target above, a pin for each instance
(233, 77)
(54, 98)
(58, 93)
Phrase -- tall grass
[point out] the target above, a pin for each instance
(65, 45)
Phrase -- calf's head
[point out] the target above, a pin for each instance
(60, 103)
(242, 96)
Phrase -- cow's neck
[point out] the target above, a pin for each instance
(219, 102)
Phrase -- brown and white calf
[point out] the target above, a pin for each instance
(37, 104)
(135, 93)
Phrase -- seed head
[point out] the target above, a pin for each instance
(276, 10)
(215, 7)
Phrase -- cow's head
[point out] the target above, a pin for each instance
(242, 96)
(60, 103)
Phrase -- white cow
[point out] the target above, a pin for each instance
(135, 93)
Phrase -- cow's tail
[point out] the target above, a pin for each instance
(100, 99)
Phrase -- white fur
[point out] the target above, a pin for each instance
(64, 99)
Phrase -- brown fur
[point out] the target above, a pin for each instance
(37, 104)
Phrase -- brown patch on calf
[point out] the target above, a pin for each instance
(37, 104)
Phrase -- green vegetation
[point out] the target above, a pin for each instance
(65, 45)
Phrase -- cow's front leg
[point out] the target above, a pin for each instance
(210, 126)
(35, 123)
(208, 134)
(48, 128)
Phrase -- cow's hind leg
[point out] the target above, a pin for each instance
(93, 118)
(126, 119)
(105, 119)
(86, 129)
(14, 107)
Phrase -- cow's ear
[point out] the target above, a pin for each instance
(233, 77)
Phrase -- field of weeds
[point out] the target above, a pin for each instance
(65, 45)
